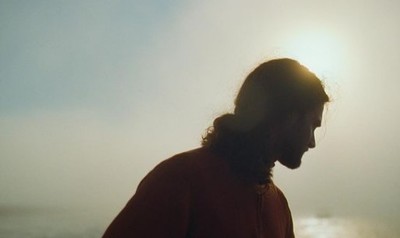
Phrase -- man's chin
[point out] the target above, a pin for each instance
(291, 164)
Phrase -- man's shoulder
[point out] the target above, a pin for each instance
(189, 159)
(190, 155)
(280, 194)
(185, 162)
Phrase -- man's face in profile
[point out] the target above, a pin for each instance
(299, 138)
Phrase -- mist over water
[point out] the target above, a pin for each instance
(94, 94)
(70, 223)
(58, 223)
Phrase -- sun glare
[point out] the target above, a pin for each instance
(318, 51)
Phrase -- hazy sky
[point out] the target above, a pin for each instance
(93, 94)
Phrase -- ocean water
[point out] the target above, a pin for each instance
(334, 227)
(49, 223)
(34, 223)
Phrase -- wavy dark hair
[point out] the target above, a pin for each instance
(270, 94)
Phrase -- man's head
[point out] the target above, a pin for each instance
(283, 102)
(276, 112)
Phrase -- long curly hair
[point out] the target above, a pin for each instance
(270, 94)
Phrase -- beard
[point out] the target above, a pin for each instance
(290, 155)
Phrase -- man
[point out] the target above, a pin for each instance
(224, 189)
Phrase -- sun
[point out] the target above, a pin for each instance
(320, 51)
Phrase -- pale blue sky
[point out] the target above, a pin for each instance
(57, 54)
(93, 94)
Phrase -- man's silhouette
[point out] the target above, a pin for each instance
(224, 189)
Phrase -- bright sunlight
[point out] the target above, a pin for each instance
(320, 51)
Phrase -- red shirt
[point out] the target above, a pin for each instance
(195, 194)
